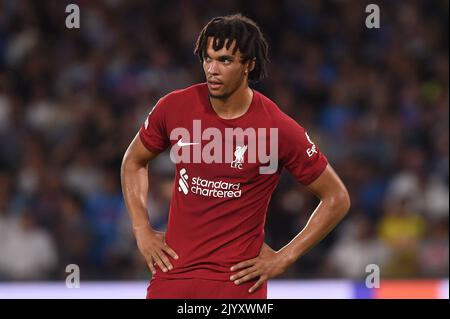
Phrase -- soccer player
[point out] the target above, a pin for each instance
(214, 243)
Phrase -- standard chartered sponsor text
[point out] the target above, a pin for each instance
(218, 189)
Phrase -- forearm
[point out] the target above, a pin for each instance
(134, 178)
(323, 220)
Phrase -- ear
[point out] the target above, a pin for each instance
(251, 65)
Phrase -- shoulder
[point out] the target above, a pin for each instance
(280, 119)
(267, 103)
(176, 100)
(185, 94)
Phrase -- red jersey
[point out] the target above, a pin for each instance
(221, 192)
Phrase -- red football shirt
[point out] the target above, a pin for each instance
(218, 208)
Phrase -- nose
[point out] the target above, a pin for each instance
(211, 68)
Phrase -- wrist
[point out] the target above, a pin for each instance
(140, 227)
(288, 256)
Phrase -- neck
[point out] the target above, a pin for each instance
(234, 105)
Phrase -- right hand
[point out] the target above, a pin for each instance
(153, 247)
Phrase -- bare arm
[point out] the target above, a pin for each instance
(134, 178)
(334, 205)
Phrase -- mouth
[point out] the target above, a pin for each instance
(214, 84)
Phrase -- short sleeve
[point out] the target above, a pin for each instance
(153, 133)
(299, 154)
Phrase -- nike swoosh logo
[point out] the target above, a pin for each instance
(181, 144)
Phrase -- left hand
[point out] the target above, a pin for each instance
(267, 265)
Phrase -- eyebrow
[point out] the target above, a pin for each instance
(221, 57)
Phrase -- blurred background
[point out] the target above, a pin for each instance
(376, 101)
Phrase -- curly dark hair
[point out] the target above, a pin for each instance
(249, 40)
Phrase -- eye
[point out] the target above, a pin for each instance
(207, 59)
(225, 60)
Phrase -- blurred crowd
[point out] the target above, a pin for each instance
(375, 101)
